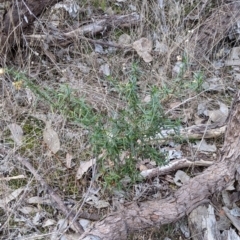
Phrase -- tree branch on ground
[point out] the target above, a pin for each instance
(138, 216)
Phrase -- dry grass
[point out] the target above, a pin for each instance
(77, 65)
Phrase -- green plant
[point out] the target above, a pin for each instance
(197, 82)
(123, 138)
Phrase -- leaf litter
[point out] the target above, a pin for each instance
(51, 139)
(17, 133)
(144, 49)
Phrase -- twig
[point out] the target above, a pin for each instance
(173, 166)
(96, 26)
(11, 178)
(68, 41)
(69, 214)
(103, 43)
(200, 131)
(53, 195)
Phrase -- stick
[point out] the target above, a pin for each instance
(69, 214)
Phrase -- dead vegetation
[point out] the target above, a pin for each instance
(119, 114)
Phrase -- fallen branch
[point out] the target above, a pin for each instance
(105, 23)
(193, 132)
(173, 166)
(137, 216)
(97, 26)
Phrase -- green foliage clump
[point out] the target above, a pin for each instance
(122, 138)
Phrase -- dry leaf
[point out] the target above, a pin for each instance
(99, 49)
(142, 167)
(48, 222)
(71, 7)
(94, 201)
(84, 223)
(17, 133)
(147, 99)
(143, 46)
(217, 116)
(61, 226)
(203, 146)
(220, 115)
(28, 210)
(177, 68)
(124, 39)
(37, 219)
(105, 69)
(50, 137)
(181, 178)
(69, 158)
(214, 84)
(160, 47)
(10, 197)
(84, 166)
(101, 204)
